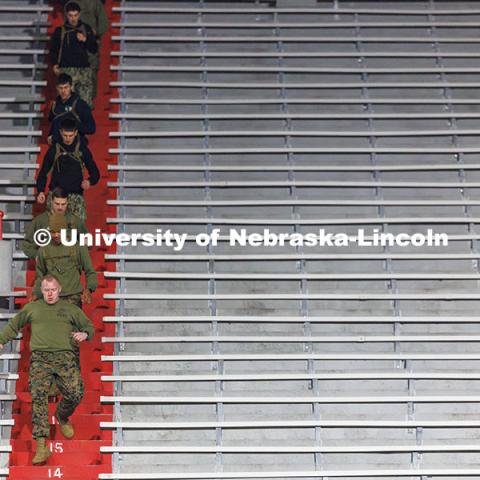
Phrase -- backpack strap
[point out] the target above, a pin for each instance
(53, 107)
(76, 155)
(62, 39)
(74, 254)
(72, 111)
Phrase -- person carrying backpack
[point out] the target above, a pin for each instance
(41, 222)
(66, 264)
(93, 13)
(67, 161)
(70, 45)
(68, 104)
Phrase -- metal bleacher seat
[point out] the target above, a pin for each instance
(23, 27)
(22, 64)
(293, 362)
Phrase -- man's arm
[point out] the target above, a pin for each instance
(91, 166)
(91, 41)
(46, 167)
(40, 272)
(76, 223)
(87, 124)
(29, 247)
(91, 279)
(81, 226)
(55, 46)
(14, 325)
(82, 322)
(51, 115)
(102, 19)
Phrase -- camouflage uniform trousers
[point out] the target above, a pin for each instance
(75, 299)
(94, 61)
(44, 368)
(82, 82)
(76, 205)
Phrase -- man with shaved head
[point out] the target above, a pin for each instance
(53, 323)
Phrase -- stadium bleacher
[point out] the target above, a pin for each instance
(292, 361)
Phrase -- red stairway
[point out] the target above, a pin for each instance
(79, 458)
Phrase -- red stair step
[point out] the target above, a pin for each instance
(81, 457)
(59, 446)
(65, 472)
(92, 408)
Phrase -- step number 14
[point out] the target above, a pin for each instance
(55, 473)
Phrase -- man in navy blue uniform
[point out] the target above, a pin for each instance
(68, 104)
(71, 43)
(67, 160)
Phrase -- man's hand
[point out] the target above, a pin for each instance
(79, 336)
(41, 197)
(81, 37)
(50, 139)
(56, 70)
(86, 296)
(85, 185)
(1, 346)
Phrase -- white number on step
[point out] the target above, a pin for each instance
(57, 473)
(56, 447)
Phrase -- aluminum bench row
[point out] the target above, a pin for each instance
(291, 54)
(295, 85)
(347, 423)
(293, 221)
(390, 473)
(296, 101)
(289, 319)
(258, 400)
(276, 116)
(275, 184)
(276, 276)
(294, 339)
(284, 69)
(275, 39)
(299, 10)
(307, 24)
(291, 203)
(472, 296)
(286, 168)
(272, 377)
(292, 449)
(287, 257)
(301, 150)
(279, 133)
(280, 357)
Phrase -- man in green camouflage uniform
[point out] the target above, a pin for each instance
(93, 13)
(52, 320)
(76, 206)
(59, 203)
(66, 263)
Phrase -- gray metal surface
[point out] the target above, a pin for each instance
(344, 115)
(22, 63)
